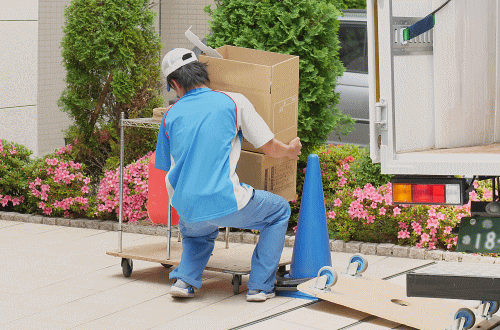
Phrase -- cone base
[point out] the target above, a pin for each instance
(295, 294)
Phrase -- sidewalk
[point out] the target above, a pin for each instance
(56, 277)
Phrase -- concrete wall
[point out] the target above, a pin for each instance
(31, 70)
(18, 72)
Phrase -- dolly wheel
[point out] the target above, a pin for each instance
(494, 305)
(469, 316)
(236, 282)
(331, 274)
(127, 266)
(166, 265)
(362, 263)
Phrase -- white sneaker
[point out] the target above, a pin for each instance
(179, 292)
(255, 295)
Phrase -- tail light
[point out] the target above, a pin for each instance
(429, 191)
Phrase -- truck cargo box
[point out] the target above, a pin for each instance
(434, 101)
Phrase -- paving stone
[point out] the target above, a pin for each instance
(385, 249)
(452, 256)
(35, 219)
(107, 225)
(400, 251)
(488, 260)
(2, 214)
(353, 247)
(21, 217)
(467, 257)
(91, 223)
(78, 223)
(222, 236)
(147, 230)
(290, 241)
(368, 248)
(9, 216)
(129, 228)
(434, 255)
(236, 237)
(63, 222)
(248, 238)
(416, 253)
(49, 221)
(337, 245)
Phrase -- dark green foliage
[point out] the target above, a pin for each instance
(368, 172)
(13, 179)
(354, 4)
(306, 28)
(111, 56)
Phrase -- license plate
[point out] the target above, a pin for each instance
(479, 235)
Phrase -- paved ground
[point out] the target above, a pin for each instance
(54, 277)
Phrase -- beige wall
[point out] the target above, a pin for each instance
(31, 70)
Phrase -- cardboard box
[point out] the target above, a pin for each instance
(158, 113)
(269, 80)
(262, 172)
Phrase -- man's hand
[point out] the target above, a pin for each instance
(277, 149)
(294, 148)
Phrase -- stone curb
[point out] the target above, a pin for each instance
(379, 249)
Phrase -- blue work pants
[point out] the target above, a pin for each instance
(266, 212)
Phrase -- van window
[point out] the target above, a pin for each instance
(353, 48)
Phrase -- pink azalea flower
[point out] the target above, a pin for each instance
(85, 189)
(374, 205)
(38, 181)
(331, 215)
(424, 237)
(337, 202)
(432, 246)
(396, 211)
(382, 211)
(431, 212)
(447, 230)
(370, 219)
(41, 205)
(403, 234)
(440, 216)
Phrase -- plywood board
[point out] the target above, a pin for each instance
(387, 300)
(236, 259)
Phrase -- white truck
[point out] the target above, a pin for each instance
(434, 99)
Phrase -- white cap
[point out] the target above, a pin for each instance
(176, 58)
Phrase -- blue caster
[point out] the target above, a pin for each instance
(362, 263)
(331, 274)
(494, 306)
(469, 316)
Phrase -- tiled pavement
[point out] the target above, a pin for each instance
(55, 277)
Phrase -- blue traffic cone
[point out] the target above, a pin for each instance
(311, 250)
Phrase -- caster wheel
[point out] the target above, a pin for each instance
(236, 282)
(127, 266)
(166, 265)
(494, 306)
(331, 273)
(281, 271)
(469, 316)
(362, 263)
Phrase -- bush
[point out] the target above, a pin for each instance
(57, 186)
(135, 192)
(354, 4)
(368, 172)
(111, 54)
(306, 28)
(13, 181)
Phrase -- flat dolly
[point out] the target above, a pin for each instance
(389, 301)
(234, 261)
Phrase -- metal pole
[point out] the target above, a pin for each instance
(227, 237)
(169, 235)
(120, 214)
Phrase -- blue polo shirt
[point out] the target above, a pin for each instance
(199, 145)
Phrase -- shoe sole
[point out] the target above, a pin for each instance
(180, 293)
(260, 297)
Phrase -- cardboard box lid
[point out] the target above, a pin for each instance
(240, 66)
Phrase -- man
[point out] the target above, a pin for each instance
(199, 144)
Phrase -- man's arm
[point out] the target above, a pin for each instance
(277, 149)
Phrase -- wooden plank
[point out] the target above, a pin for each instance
(387, 300)
(236, 259)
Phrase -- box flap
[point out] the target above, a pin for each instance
(196, 41)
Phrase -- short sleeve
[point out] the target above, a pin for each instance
(162, 160)
(253, 126)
